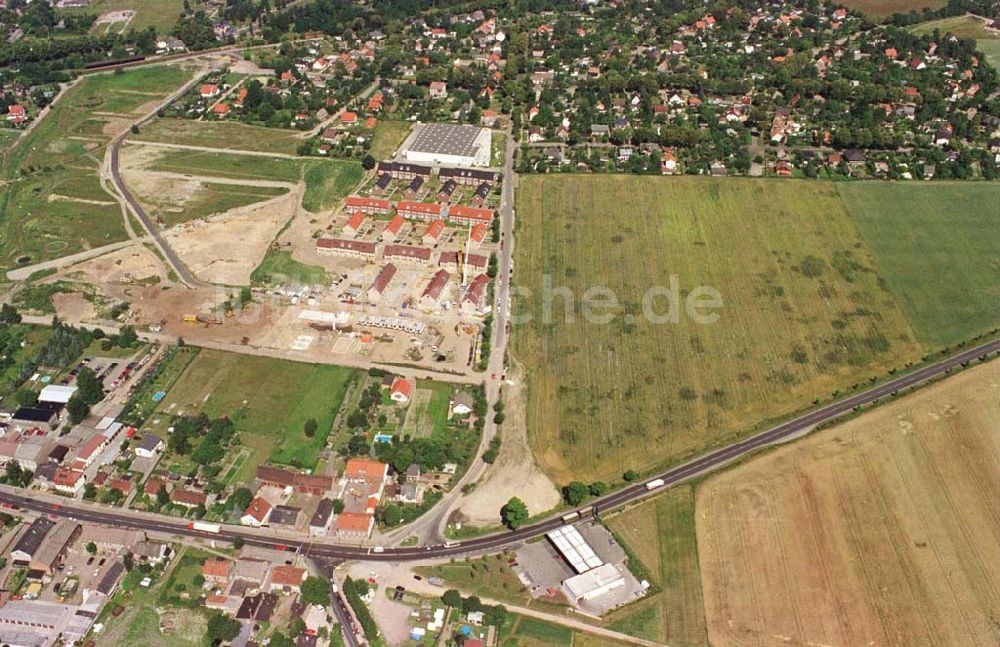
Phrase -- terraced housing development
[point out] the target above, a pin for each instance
(341, 323)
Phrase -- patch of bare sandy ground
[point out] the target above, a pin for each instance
(515, 472)
(884, 530)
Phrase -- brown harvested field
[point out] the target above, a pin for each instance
(880, 8)
(882, 531)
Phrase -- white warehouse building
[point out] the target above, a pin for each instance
(450, 145)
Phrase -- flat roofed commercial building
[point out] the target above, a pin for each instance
(593, 583)
(574, 549)
(451, 145)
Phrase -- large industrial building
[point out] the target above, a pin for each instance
(594, 577)
(450, 145)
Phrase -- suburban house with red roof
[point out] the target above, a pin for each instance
(209, 90)
(433, 233)
(396, 228)
(401, 390)
(354, 224)
(257, 513)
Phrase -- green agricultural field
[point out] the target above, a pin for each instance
(268, 399)
(660, 534)
(389, 136)
(53, 204)
(938, 247)
(804, 313)
(220, 134)
(541, 632)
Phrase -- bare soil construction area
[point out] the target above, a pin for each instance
(882, 531)
(514, 471)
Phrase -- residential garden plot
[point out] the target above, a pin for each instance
(660, 535)
(427, 414)
(220, 134)
(804, 314)
(881, 531)
(938, 247)
(53, 205)
(269, 401)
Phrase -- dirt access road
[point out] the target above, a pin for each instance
(884, 530)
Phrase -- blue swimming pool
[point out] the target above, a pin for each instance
(383, 438)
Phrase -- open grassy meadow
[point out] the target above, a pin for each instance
(804, 313)
(882, 8)
(327, 181)
(278, 265)
(964, 26)
(220, 134)
(660, 534)
(195, 201)
(938, 247)
(880, 531)
(389, 136)
(268, 399)
(54, 204)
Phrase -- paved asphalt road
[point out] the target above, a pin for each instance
(705, 463)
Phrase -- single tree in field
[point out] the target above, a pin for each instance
(514, 513)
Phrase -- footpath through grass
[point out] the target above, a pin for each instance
(938, 247)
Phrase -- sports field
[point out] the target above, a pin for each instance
(268, 399)
(803, 314)
(938, 247)
(660, 534)
(881, 531)
(54, 204)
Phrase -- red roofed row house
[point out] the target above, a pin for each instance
(418, 210)
(353, 248)
(470, 215)
(407, 254)
(431, 296)
(474, 299)
(382, 281)
(368, 205)
(396, 228)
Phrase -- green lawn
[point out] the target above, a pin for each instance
(803, 313)
(541, 631)
(220, 134)
(389, 136)
(278, 266)
(269, 400)
(329, 182)
(961, 26)
(938, 247)
(660, 535)
(991, 49)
